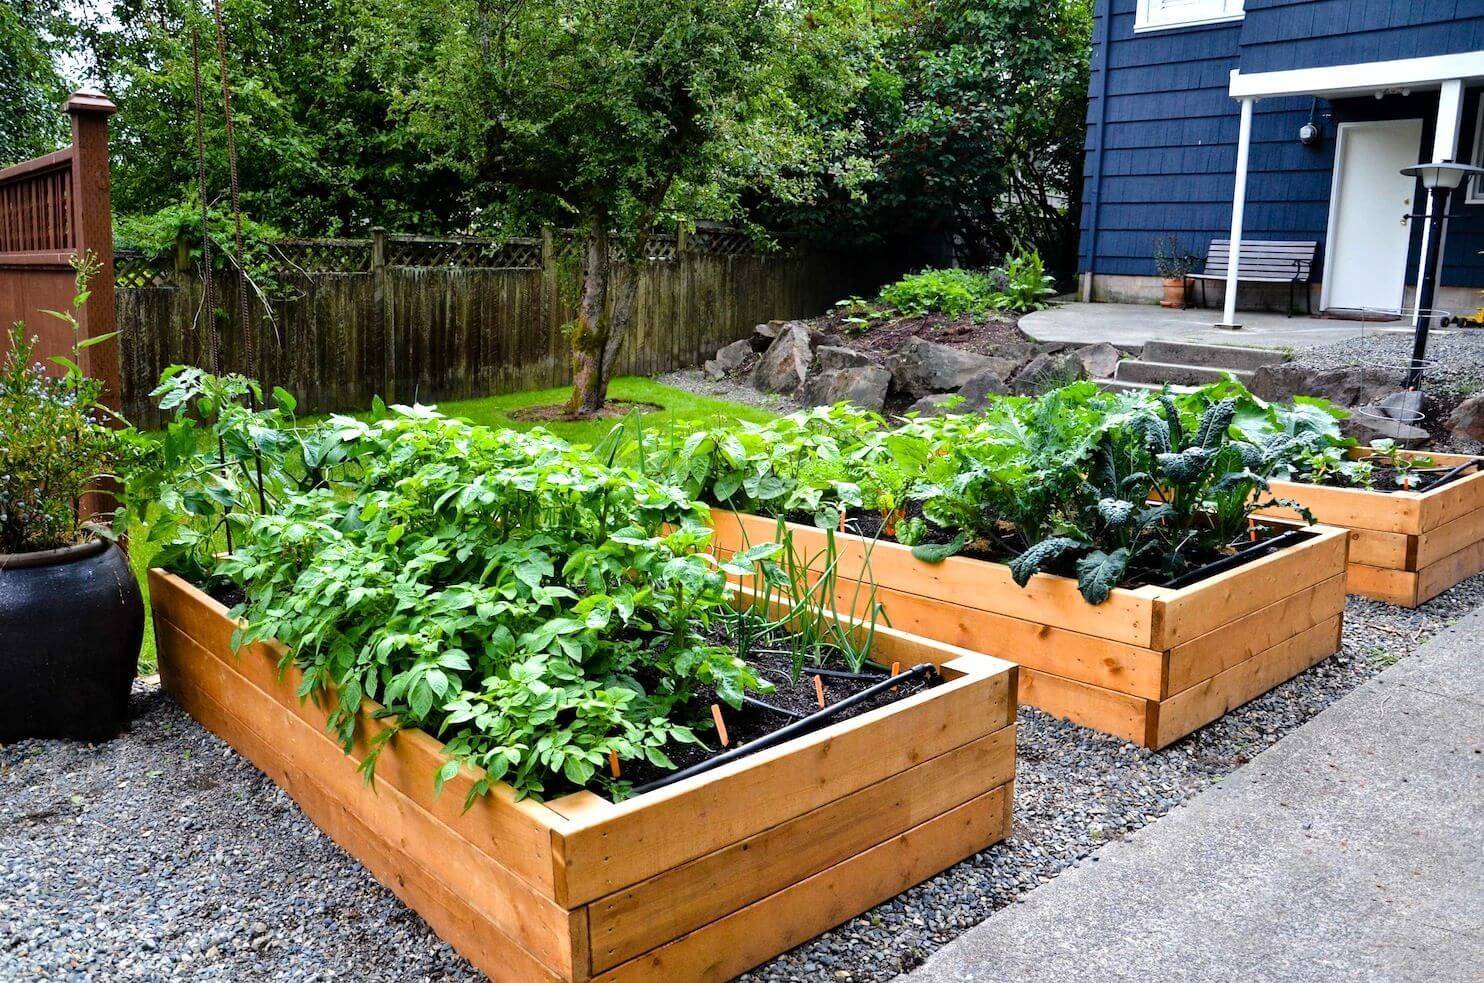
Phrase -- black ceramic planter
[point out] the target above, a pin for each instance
(71, 621)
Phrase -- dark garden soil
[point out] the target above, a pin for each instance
(614, 409)
(792, 698)
(887, 336)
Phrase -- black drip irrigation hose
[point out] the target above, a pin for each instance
(1450, 475)
(789, 731)
(840, 674)
(753, 701)
(1282, 541)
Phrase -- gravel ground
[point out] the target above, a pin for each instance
(164, 855)
(731, 388)
(1459, 355)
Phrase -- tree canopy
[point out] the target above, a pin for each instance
(33, 35)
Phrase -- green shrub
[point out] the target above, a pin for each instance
(55, 442)
(953, 292)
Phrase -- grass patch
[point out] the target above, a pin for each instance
(671, 406)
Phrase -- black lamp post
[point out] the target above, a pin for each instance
(1440, 178)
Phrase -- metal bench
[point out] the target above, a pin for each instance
(1262, 262)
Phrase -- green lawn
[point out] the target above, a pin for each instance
(676, 405)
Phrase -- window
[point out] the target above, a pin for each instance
(1475, 194)
(1158, 15)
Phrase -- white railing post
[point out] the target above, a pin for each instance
(1239, 203)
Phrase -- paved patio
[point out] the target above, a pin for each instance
(1350, 850)
(1130, 325)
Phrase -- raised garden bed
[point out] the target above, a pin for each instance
(700, 879)
(1406, 547)
(1150, 664)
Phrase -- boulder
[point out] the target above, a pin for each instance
(1046, 372)
(832, 357)
(863, 385)
(1349, 385)
(763, 334)
(785, 365)
(1467, 420)
(934, 405)
(729, 359)
(1099, 361)
(976, 391)
(920, 368)
(1366, 429)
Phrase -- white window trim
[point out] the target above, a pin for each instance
(1143, 22)
(1475, 194)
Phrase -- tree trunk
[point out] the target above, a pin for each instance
(590, 333)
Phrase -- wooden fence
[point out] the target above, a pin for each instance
(52, 208)
(412, 318)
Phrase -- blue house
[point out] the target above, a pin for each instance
(1198, 129)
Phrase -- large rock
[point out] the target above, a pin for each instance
(920, 368)
(1350, 385)
(729, 359)
(1099, 361)
(785, 365)
(1046, 372)
(764, 334)
(977, 391)
(863, 385)
(1467, 420)
(832, 357)
(935, 405)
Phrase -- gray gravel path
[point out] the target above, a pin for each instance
(1458, 355)
(164, 855)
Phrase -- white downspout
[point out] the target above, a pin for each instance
(1239, 205)
(1444, 147)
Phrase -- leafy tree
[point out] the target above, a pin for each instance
(974, 120)
(32, 34)
(620, 115)
(317, 151)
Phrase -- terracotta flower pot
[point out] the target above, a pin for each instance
(1175, 293)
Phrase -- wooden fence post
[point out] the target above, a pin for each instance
(551, 303)
(381, 321)
(92, 215)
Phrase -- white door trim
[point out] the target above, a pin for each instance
(1334, 201)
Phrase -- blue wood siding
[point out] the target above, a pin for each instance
(1162, 130)
(1282, 34)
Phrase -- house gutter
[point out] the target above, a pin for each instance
(1085, 287)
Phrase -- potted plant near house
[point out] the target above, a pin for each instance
(1173, 263)
(71, 615)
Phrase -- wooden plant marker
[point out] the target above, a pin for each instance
(819, 691)
(896, 670)
(613, 763)
(721, 725)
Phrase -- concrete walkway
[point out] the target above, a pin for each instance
(1353, 849)
(1130, 325)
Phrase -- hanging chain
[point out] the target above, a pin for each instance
(249, 347)
(208, 280)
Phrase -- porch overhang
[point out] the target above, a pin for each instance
(1340, 81)
(1448, 74)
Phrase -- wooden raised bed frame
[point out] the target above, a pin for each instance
(1405, 547)
(1149, 665)
(700, 880)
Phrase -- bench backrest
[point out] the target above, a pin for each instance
(1263, 258)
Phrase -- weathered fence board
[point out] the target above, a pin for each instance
(411, 318)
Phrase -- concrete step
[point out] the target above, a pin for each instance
(1130, 370)
(1214, 356)
(1124, 386)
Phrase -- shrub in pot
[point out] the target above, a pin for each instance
(1173, 263)
(71, 615)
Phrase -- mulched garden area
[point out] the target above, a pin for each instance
(883, 337)
(150, 856)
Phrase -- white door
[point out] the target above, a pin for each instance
(1365, 262)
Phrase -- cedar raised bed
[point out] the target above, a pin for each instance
(1150, 665)
(1406, 547)
(698, 880)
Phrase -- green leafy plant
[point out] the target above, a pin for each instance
(944, 291)
(1172, 261)
(56, 444)
(1404, 466)
(1026, 285)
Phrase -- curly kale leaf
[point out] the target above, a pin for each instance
(1041, 555)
